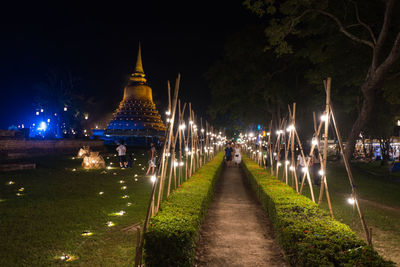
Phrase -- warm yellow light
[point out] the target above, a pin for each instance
(153, 178)
(351, 200)
(123, 188)
(110, 224)
(86, 233)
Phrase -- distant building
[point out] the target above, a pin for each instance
(136, 121)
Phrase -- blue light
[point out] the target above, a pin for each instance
(42, 126)
(259, 127)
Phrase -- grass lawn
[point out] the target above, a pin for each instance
(380, 202)
(59, 204)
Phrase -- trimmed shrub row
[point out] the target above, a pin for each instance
(307, 233)
(173, 232)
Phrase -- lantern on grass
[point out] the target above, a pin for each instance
(93, 161)
(83, 152)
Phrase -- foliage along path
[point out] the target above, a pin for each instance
(236, 231)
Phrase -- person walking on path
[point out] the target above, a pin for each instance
(316, 165)
(152, 159)
(300, 165)
(123, 163)
(238, 156)
(228, 154)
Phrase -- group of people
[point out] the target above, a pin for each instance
(314, 167)
(124, 162)
(232, 153)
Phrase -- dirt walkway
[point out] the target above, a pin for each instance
(236, 231)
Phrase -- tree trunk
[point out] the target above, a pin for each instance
(370, 86)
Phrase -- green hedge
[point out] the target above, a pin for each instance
(306, 233)
(173, 232)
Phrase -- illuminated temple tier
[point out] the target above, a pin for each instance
(136, 121)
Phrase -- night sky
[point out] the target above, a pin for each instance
(99, 44)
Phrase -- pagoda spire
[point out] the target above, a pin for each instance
(139, 66)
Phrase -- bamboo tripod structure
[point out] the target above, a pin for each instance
(168, 161)
(321, 154)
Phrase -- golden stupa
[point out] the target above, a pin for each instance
(137, 116)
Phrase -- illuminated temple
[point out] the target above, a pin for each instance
(136, 120)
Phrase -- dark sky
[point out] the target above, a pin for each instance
(99, 45)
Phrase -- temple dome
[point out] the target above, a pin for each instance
(137, 114)
(138, 91)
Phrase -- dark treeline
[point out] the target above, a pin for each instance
(267, 66)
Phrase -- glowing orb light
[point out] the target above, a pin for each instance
(351, 200)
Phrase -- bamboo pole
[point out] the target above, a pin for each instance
(270, 149)
(327, 111)
(294, 174)
(310, 155)
(304, 160)
(351, 179)
(171, 128)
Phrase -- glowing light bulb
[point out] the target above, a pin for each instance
(290, 128)
(108, 167)
(321, 172)
(123, 188)
(64, 257)
(122, 212)
(287, 162)
(125, 196)
(10, 182)
(110, 224)
(176, 164)
(100, 193)
(291, 168)
(279, 164)
(324, 117)
(351, 200)
(153, 179)
(121, 181)
(202, 130)
(181, 163)
(168, 112)
(74, 170)
(314, 142)
(135, 175)
(86, 233)
(129, 204)
(304, 169)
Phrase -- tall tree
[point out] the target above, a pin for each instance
(250, 85)
(366, 24)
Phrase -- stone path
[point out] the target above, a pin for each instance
(236, 231)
